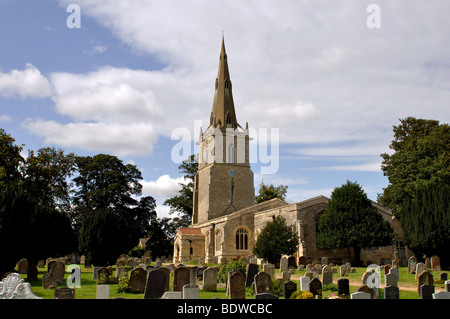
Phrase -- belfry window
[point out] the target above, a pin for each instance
(241, 239)
(228, 120)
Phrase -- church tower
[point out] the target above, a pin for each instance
(224, 181)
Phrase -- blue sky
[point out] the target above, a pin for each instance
(138, 70)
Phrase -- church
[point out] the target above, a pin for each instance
(226, 221)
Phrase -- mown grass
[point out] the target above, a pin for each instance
(89, 286)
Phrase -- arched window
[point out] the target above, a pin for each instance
(230, 153)
(241, 239)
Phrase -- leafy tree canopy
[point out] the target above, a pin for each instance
(268, 192)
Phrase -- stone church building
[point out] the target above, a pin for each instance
(226, 221)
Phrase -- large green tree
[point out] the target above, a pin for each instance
(10, 161)
(351, 221)
(268, 192)
(425, 219)
(276, 239)
(421, 156)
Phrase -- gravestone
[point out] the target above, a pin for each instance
(443, 276)
(394, 271)
(14, 287)
(50, 263)
(102, 292)
(172, 295)
(265, 295)
(366, 289)
(420, 267)
(304, 283)
(167, 272)
(441, 295)
(412, 263)
(288, 289)
(32, 273)
(263, 283)
(327, 275)
(315, 287)
(425, 278)
(22, 266)
(291, 262)
(284, 264)
(343, 287)
(269, 269)
(103, 276)
(344, 269)
(360, 295)
(65, 293)
(236, 284)
(426, 291)
(324, 260)
(121, 271)
(200, 272)
(390, 280)
(156, 283)
(181, 277)
(302, 260)
(59, 269)
(95, 273)
(427, 263)
(447, 285)
(49, 281)
(138, 280)
(252, 271)
(210, 279)
(435, 263)
(190, 291)
(391, 292)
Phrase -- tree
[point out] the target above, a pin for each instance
(31, 229)
(425, 219)
(183, 202)
(351, 221)
(101, 237)
(10, 161)
(421, 157)
(46, 175)
(276, 239)
(268, 192)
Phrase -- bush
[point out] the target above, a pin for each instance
(136, 252)
(302, 295)
(239, 265)
(329, 287)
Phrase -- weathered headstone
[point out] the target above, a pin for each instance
(210, 279)
(32, 273)
(288, 289)
(49, 281)
(435, 263)
(304, 283)
(424, 278)
(420, 267)
(65, 293)
(443, 276)
(412, 263)
(360, 295)
(315, 287)
(121, 272)
(138, 280)
(390, 280)
(327, 275)
(441, 295)
(344, 269)
(103, 276)
(426, 291)
(102, 292)
(284, 264)
(236, 284)
(181, 277)
(172, 295)
(22, 266)
(95, 273)
(302, 260)
(263, 283)
(199, 273)
(156, 283)
(269, 269)
(447, 285)
(391, 292)
(252, 270)
(59, 268)
(190, 291)
(343, 287)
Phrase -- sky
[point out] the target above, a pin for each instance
(320, 83)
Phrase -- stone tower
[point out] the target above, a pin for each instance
(224, 181)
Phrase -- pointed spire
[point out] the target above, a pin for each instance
(223, 114)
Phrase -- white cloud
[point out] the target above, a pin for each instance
(366, 167)
(164, 186)
(27, 83)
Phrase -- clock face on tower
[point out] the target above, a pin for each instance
(232, 172)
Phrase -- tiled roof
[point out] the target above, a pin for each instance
(190, 231)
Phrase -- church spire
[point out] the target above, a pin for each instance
(223, 114)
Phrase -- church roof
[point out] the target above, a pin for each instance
(223, 114)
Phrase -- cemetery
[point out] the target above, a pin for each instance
(132, 278)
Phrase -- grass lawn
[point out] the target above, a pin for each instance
(89, 286)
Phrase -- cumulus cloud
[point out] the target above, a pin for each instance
(27, 83)
(164, 186)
